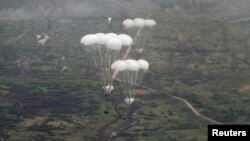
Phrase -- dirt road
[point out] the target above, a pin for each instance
(190, 106)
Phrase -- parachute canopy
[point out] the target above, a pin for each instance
(102, 50)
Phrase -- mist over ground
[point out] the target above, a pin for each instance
(73, 8)
(28, 9)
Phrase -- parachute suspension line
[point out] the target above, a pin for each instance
(105, 59)
(97, 61)
(130, 80)
(109, 64)
(87, 52)
(113, 58)
(127, 84)
(124, 83)
(104, 67)
(141, 73)
(138, 42)
(134, 80)
(95, 52)
(101, 66)
(121, 77)
(142, 39)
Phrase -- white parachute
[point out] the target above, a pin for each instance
(128, 73)
(102, 50)
(140, 29)
(144, 66)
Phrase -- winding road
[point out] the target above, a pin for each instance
(130, 122)
(188, 104)
(102, 130)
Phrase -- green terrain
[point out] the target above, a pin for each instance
(199, 51)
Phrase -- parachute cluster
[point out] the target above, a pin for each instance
(129, 72)
(140, 29)
(104, 51)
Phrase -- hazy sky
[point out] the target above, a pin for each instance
(26, 9)
(72, 8)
